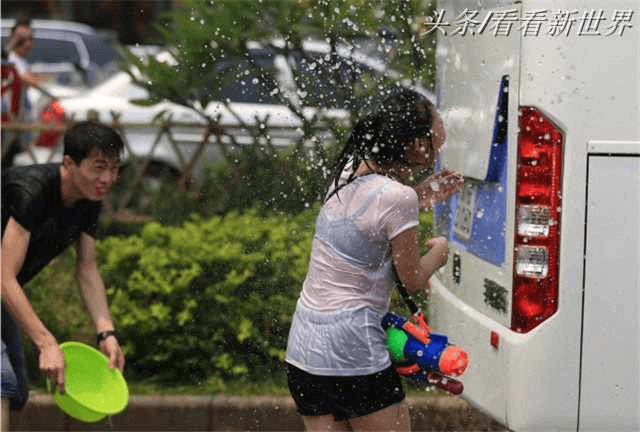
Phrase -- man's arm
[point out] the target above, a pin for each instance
(95, 297)
(14, 250)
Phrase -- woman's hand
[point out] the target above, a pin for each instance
(438, 187)
(439, 251)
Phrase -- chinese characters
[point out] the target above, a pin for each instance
(532, 23)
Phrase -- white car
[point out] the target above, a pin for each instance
(251, 100)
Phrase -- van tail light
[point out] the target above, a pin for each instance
(53, 114)
(537, 234)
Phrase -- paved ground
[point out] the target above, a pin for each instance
(228, 413)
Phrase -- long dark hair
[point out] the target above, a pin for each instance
(383, 135)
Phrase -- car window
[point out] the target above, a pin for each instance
(100, 51)
(53, 51)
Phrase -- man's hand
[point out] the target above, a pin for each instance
(111, 349)
(438, 187)
(52, 364)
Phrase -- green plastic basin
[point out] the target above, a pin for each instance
(92, 389)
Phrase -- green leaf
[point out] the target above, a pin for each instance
(245, 330)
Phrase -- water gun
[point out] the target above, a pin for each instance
(424, 357)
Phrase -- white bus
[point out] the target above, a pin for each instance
(540, 101)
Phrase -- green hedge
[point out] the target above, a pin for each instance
(210, 298)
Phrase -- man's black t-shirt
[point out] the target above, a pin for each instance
(32, 196)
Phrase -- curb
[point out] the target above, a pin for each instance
(235, 413)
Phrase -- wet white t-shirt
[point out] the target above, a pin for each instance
(350, 263)
(336, 329)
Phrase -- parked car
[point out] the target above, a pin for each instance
(250, 100)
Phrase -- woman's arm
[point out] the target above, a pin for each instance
(413, 269)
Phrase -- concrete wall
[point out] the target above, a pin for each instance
(229, 413)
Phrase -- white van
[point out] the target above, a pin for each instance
(540, 100)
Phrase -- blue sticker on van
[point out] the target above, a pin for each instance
(475, 219)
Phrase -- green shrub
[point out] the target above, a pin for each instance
(209, 299)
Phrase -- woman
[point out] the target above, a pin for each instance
(339, 371)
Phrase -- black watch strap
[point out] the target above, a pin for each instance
(103, 335)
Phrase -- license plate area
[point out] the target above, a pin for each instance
(464, 214)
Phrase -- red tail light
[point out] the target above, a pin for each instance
(52, 115)
(537, 234)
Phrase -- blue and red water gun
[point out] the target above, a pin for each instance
(424, 357)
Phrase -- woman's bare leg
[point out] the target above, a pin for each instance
(5, 415)
(324, 423)
(392, 418)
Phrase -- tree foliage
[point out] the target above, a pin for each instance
(203, 35)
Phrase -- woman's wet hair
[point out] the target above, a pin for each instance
(82, 138)
(385, 133)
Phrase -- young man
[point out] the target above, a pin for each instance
(45, 209)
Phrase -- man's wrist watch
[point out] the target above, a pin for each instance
(103, 335)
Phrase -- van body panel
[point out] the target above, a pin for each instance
(468, 103)
(550, 378)
(470, 93)
(536, 399)
(610, 375)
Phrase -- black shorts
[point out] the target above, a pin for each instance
(346, 397)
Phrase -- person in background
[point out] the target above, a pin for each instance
(45, 209)
(18, 48)
(338, 367)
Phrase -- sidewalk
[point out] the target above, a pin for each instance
(232, 413)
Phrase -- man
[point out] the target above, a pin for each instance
(45, 209)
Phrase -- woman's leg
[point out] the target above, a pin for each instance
(392, 418)
(5, 415)
(324, 423)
